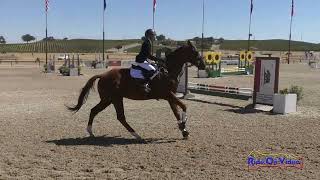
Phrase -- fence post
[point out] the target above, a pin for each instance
(78, 65)
(68, 61)
(73, 61)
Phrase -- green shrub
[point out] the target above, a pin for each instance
(284, 91)
(293, 90)
(45, 68)
(297, 90)
(64, 70)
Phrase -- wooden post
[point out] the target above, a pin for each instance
(54, 62)
(69, 61)
(78, 65)
(65, 59)
(73, 61)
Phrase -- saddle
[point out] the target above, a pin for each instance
(145, 73)
(140, 73)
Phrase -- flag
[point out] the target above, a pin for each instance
(47, 5)
(292, 8)
(251, 7)
(154, 5)
(104, 5)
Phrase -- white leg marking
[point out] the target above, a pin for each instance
(183, 117)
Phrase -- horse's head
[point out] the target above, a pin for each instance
(192, 56)
(182, 55)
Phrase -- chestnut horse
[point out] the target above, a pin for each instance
(117, 84)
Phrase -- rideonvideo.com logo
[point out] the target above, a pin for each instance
(258, 160)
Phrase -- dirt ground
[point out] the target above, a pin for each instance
(40, 139)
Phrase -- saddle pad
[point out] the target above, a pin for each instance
(140, 73)
(135, 73)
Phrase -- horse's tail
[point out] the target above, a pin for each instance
(84, 93)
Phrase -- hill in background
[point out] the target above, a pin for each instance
(92, 46)
(269, 45)
(70, 46)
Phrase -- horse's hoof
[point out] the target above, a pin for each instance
(185, 134)
(91, 135)
(89, 130)
(182, 126)
(136, 136)
(142, 141)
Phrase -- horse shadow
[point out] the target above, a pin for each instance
(246, 111)
(249, 109)
(107, 141)
(214, 103)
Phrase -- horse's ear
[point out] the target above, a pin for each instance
(190, 43)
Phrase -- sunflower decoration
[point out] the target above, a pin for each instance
(243, 55)
(208, 57)
(249, 56)
(217, 57)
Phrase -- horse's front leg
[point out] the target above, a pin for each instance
(181, 118)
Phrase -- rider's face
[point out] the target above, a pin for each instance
(152, 37)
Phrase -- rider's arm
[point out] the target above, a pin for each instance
(153, 58)
(150, 56)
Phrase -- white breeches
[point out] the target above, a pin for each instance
(147, 66)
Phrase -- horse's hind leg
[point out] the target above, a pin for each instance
(94, 111)
(118, 105)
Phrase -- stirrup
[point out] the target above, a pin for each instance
(147, 88)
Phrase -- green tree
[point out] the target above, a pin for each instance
(2, 40)
(181, 43)
(118, 47)
(50, 38)
(220, 40)
(196, 39)
(27, 38)
(161, 37)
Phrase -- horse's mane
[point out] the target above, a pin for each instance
(175, 51)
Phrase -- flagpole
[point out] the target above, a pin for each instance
(153, 19)
(290, 35)
(202, 37)
(153, 13)
(289, 53)
(46, 37)
(103, 58)
(249, 35)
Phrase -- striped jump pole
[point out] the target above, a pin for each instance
(221, 91)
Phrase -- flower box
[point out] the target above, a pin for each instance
(284, 103)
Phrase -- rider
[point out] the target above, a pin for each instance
(142, 59)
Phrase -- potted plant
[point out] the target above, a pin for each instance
(286, 101)
(45, 67)
(64, 70)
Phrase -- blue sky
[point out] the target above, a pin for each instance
(177, 19)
